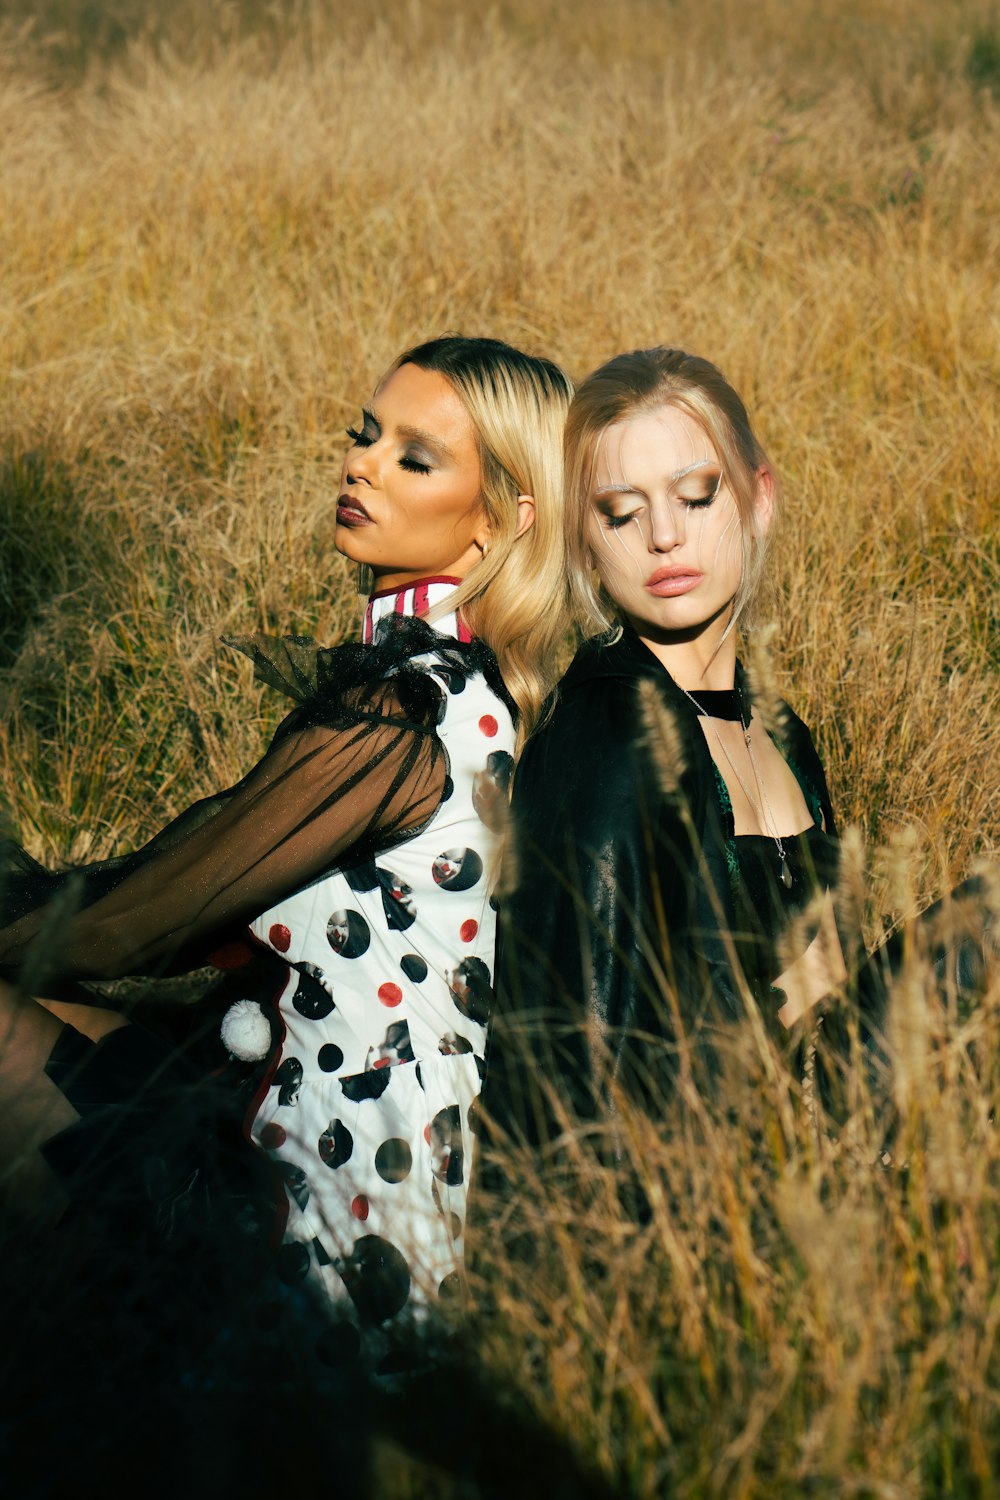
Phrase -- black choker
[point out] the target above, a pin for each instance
(730, 703)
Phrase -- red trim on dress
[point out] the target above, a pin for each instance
(384, 593)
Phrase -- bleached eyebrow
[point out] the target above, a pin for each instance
(615, 489)
(699, 463)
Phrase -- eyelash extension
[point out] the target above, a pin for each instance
(360, 438)
(614, 523)
(414, 466)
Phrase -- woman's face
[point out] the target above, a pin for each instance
(664, 531)
(410, 504)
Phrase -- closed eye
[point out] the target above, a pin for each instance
(706, 490)
(414, 465)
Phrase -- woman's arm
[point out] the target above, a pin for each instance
(367, 781)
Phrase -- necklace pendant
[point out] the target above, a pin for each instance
(746, 738)
(786, 874)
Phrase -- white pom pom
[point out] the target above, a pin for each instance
(245, 1031)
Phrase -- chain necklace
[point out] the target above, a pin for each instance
(763, 800)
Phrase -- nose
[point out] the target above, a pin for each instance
(666, 525)
(361, 465)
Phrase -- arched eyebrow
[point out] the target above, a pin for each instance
(437, 446)
(699, 463)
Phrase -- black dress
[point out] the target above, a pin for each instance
(637, 917)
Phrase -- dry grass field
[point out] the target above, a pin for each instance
(218, 223)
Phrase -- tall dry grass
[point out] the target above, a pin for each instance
(217, 225)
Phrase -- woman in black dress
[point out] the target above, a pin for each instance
(676, 850)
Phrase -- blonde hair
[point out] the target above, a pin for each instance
(640, 382)
(516, 598)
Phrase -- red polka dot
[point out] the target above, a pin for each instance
(231, 955)
(272, 1136)
(280, 937)
(381, 1062)
(468, 930)
(359, 1208)
(488, 725)
(390, 994)
(427, 1134)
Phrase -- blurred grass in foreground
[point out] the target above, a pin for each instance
(217, 226)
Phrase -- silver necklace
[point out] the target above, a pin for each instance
(786, 874)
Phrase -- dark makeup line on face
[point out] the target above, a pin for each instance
(435, 450)
(702, 490)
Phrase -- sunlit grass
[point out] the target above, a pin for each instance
(217, 226)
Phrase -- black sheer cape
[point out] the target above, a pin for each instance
(355, 768)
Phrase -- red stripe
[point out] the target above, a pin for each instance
(421, 595)
(399, 608)
(444, 578)
(464, 633)
(368, 633)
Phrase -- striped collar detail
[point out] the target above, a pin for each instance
(415, 599)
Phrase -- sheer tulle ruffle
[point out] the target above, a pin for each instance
(356, 767)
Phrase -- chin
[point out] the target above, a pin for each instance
(344, 542)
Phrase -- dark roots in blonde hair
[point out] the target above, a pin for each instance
(516, 598)
(639, 382)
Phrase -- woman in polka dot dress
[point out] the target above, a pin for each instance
(368, 1104)
(367, 837)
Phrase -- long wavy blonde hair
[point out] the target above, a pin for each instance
(638, 382)
(516, 598)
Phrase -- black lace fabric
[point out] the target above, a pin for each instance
(356, 766)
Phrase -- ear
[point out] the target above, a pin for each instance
(525, 515)
(764, 498)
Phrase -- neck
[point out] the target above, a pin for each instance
(703, 663)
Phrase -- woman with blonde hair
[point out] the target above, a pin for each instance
(352, 865)
(676, 844)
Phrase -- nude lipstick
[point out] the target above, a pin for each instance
(666, 582)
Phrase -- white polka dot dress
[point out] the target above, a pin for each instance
(368, 1105)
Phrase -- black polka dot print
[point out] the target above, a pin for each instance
(288, 1080)
(414, 967)
(377, 1277)
(395, 1046)
(312, 999)
(348, 933)
(335, 1144)
(330, 1057)
(393, 1160)
(446, 1145)
(296, 1182)
(452, 1045)
(457, 869)
(370, 1085)
(471, 990)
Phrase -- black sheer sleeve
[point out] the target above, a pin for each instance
(356, 766)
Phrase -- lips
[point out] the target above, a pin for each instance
(666, 582)
(351, 512)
